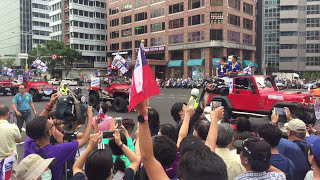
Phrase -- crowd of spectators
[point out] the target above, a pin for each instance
(196, 147)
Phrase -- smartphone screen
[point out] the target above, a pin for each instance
(118, 176)
(215, 104)
(107, 134)
(279, 111)
(119, 121)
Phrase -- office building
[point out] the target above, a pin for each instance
(183, 38)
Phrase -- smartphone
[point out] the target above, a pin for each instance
(233, 123)
(119, 121)
(118, 176)
(107, 134)
(279, 111)
(215, 104)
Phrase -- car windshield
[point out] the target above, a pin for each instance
(36, 79)
(4, 78)
(120, 79)
(263, 82)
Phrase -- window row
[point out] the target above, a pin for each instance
(88, 13)
(40, 15)
(87, 25)
(40, 6)
(41, 24)
(313, 9)
(90, 3)
(88, 36)
(313, 22)
(235, 20)
(313, 35)
(56, 6)
(88, 47)
(42, 33)
(313, 48)
(313, 61)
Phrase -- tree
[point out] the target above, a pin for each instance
(8, 62)
(55, 47)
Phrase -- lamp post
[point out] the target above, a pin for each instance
(26, 46)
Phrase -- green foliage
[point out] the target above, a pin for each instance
(55, 47)
(8, 62)
(310, 76)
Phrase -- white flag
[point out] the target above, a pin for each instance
(40, 65)
(247, 70)
(121, 63)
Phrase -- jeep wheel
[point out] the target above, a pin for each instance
(13, 92)
(120, 104)
(93, 100)
(5, 92)
(34, 95)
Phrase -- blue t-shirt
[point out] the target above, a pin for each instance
(292, 151)
(279, 161)
(25, 105)
(223, 68)
(235, 68)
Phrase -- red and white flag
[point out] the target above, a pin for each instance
(143, 84)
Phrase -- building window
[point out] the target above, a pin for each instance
(234, 4)
(288, 46)
(284, 21)
(140, 16)
(313, 35)
(216, 2)
(247, 8)
(288, 8)
(126, 45)
(140, 3)
(126, 20)
(216, 34)
(234, 20)
(137, 43)
(176, 39)
(313, 48)
(216, 17)
(193, 4)
(114, 47)
(141, 30)
(126, 7)
(158, 27)
(114, 22)
(247, 23)
(247, 39)
(195, 20)
(126, 32)
(176, 23)
(175, 8)
(313, 22)
(288, 33)
(114, 35)
(158, 41)
(157, 12)
(233, 36)
(195, 36)
(156, 1)
(113, 10)
(313, 61)
(313, 9)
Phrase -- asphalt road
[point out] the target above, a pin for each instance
(162, 103)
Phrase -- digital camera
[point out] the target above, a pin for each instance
(220, 87)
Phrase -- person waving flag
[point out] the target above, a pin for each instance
(143, 84)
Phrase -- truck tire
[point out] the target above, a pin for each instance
(14, 92)
(120, 104)
(5, 92)
(34, 95)
(93, 100)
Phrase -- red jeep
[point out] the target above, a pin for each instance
(257, 96)
(115, 90)
(38, 87)
(7, 86)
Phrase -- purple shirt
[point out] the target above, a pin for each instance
(171, 170)
(62, 152)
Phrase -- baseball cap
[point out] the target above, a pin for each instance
(191, 143)
(31, 167)
(315, 147)
(297, 125)
(257, 148)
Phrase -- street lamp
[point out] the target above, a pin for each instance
(26, 46)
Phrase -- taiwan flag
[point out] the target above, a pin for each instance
(143, 85)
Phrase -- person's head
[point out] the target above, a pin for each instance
(170, 131)
(99, 164)
(296, 129)
(255, 154)
(234, 59)
(119, 164)
(22, 88)
(154, 121)
(223, 59)
(129, 125)
(243, 124)
(178, 111)
(4, 112)
(314, 154)
(164, 150)
(39, 128)
(225, 135)
(191, 143)
(33, 167)
(104, 106)
(201, 129)
(201, 164)
(271, 134)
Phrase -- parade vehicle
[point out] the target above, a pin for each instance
(257, 96)
(113, 89)
(7, 86)
(38, 87)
